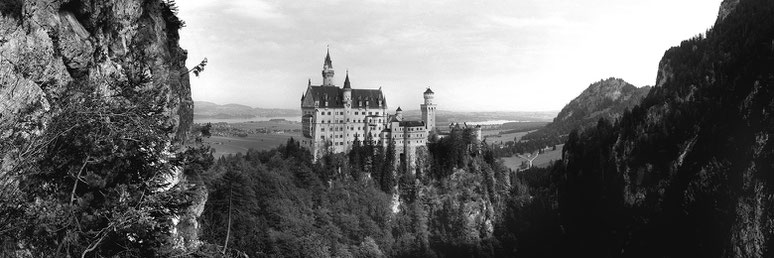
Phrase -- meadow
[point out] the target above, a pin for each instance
(543, 160)
(232, 138)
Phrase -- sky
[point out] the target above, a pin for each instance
(520, 55)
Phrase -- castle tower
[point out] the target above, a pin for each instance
(399, 114)
(347, 92)
(428, 110)
(327, 71)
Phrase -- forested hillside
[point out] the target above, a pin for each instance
(688, 172)
(356, 205)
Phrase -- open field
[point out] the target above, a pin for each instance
(541, 161)
(231, 138)
(225, 145)
(493, 137)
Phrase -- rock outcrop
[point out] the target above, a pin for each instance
(58, 45)
(726, 7)
(50, 48)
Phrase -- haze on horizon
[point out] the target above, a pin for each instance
(477, 56)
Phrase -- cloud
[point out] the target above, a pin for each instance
(530, 22)
(533, 54)
(255, 9)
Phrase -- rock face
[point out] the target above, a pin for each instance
(58, 45)
(726, 8)
(48, 48)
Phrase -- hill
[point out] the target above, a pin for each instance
(603, 99)
(204, 109)
(445, 116)
(606, 99)
(688, 172)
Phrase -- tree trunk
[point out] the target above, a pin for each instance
(228, 231)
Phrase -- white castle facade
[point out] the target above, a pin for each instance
(334, 117)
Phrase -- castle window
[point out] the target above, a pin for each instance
(366, 102)
(329, 112)
(360, 103)
(347, 120)
(369, 113)
(355, 112)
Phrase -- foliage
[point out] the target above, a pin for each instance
(11, 8)
(283, 207)
(96, 183)
(169, 11)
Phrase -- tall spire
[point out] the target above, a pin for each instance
(327, 71)
(328, 62)
(346, 82)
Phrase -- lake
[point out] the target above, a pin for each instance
(245, 120)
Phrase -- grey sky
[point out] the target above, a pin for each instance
(476, 55)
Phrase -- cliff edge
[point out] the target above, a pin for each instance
(111, 56)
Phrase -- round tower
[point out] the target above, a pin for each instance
(399, 114)
(429, 94)
(428, 110)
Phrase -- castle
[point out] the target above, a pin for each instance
(334, 117)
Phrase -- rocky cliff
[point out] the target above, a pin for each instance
(55, 46)
(726, 7)
(52, 51)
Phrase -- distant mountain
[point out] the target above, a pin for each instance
(607, 99)
(444, 116)
(204, 109)
(603, 99)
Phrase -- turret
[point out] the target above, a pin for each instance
(429, 96)
(347, 91)
(428, 110)
(327, 71)
(399, 114)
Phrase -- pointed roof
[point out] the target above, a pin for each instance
(428, 91)
(367, 97)
(328, 62)
(399, 109)
(346, 82)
